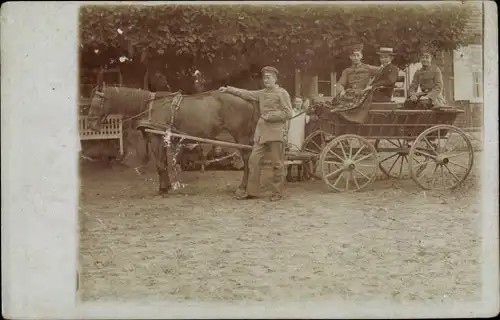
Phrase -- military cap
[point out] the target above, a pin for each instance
(384, 50)
(427, 49)
(355, 48)
(269, 69)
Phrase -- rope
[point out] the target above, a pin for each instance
(136, 116)
(221, 158)
(300, 113)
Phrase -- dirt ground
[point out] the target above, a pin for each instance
(391, 242)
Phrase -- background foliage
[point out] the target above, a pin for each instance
(227, 40)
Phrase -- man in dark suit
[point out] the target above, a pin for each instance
(385, 78)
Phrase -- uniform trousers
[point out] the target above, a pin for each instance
(277, 154)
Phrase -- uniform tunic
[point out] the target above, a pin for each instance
(275, 110)
(357, 77)
(430, 81)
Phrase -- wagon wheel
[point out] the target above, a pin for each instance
(354, 161)
(314, 143)
(393, 162)
(448, 165)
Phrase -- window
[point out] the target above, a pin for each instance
(326, 83)
(477, 85)
(467, 73)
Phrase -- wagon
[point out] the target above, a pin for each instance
(421, 144)
(347, 156)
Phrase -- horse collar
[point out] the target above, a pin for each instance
(101, 105)
(176, 104)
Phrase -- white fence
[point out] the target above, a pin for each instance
(111, 129)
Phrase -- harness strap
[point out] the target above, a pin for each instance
(151, 98)
(176, 104)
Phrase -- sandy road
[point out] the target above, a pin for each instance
(391, 242)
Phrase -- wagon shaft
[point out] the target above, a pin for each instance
(211, 141)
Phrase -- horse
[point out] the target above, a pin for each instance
(203, 115)
(126, 104)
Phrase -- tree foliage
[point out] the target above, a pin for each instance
(221, 40)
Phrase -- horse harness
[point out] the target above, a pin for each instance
(101, 105)
(176, 104)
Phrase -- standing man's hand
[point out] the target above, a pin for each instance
(223, 89)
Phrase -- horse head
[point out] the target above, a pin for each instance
(99, 108)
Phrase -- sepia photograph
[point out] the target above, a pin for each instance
(369, 117)
(279, 153)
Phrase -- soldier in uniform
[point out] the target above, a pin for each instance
(357, 76)
(275, 110)
(430, 81)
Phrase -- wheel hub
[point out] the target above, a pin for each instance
(349, 165)
(442, 160)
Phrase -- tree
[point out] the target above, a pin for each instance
(222, 40)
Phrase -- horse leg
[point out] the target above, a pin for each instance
(161, 161)
(245, 156)
(143, 155)
(203, 159)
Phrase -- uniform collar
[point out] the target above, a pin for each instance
(273, 88)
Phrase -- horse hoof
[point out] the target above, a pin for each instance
(239, 192)
(163, 191)
(161, 195)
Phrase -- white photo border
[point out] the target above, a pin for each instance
(40, 184)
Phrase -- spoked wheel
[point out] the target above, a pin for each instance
(348, 163)
(314, 143)
(448, 164)
(393, 157)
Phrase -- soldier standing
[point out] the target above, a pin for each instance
(275, 110)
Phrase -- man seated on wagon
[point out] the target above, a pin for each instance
(354, 79)
(385, 78)
(430, 81)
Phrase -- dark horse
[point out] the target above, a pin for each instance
(204, 115)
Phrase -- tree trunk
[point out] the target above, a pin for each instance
(298, 84)
(309, 86)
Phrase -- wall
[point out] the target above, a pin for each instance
(465, 62)
(472, 117)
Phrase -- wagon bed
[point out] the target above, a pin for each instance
(390, 137)
(391, 124)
